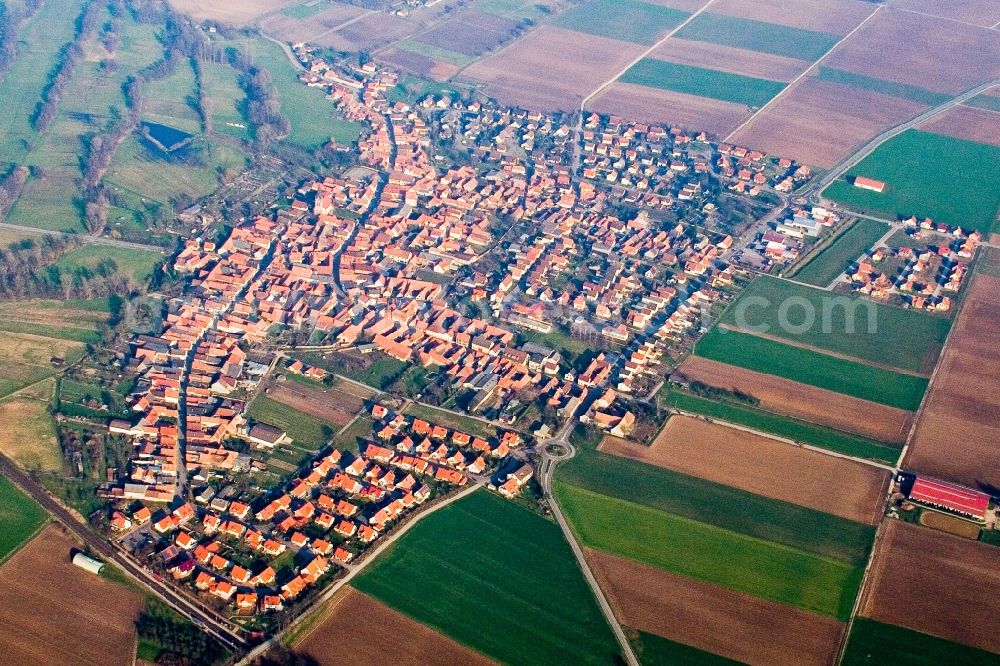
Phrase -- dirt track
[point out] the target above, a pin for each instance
(808, 403)
(727, 623)
(56, 613)
(958, 433)
(763, 466)
(358, 631)
(937, 583)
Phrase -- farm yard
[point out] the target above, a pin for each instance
(340, 639)
(917, 571)
(504, 583)
(82, 619)
(832, 260)
(715, 619)
(760, 465)
(963, 403)
(910, 164)
(806, 403)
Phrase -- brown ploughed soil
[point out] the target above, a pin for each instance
(654, 105)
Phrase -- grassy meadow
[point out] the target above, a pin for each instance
(20, 518)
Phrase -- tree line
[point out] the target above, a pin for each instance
(11, 187)
(181, 641)
(28, 270)
(9, 21)
(70, 56)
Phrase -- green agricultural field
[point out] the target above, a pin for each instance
(724, 507)
(513, 9)
(434, 52)
(498, 578)
(20, 518)
(705, 552)
(171, 99)
(701, 81)
(136, 264)
(305, 10)
(830, 262)
(627, 20)
(227, 109)
(928, 175)
(800, 431)
(73, 334)
(759, 36)
(314, 120)
(653, 650)
(874, 643)
(813, 368)
(892, 88)
(450, 420)
(309, 432)
(905, 339)
(985, 101)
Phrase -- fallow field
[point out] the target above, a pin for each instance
(54, 612)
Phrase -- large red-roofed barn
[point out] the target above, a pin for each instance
(950, 496)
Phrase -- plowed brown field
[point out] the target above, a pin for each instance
(551, 68)
(328, 404)
(936, 583)
(836, 17)
(966, 122)
(932, 53)
(958, 433)
(729, 59)
(763, 466)
(357, 630)
(56, 613)
(981, 12)
(808, 403)
(727, 623)
(653, 105)
(819, 123)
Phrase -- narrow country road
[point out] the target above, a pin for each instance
(546, 468)
(86, 239)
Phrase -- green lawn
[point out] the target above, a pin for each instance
(743, 33)
(892, 88)
(449, 420)
(314, 120)
(825, 266)
(360, 429)
(904, 339)
(653, 650)
(170, 99)
(928, 175)
(800, 431)
(705, 552)
(20, 518)
(309, 432)
(227, 109)
(498, 578)
(627, 20)
(136, 264)
(813, 368)
(381, 374)
(703, 82)
(874, 643)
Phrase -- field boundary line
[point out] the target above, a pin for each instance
(947, 18)
(779, 438)
(801, 76)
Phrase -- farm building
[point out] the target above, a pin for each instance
(950, 496)
(869, 184)
(88, 563)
